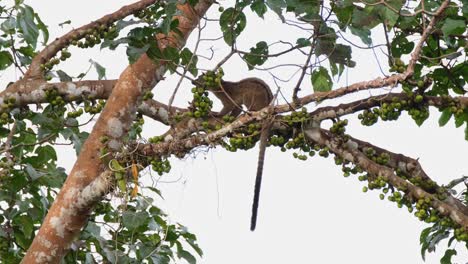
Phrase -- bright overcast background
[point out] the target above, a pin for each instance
(309, 213)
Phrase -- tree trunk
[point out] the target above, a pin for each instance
(68, 214)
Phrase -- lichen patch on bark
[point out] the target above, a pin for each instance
(80, 174)
(114, 128)
(42, 257)
(57, 225)
(37, 94)
(77, 91)
(46, 243)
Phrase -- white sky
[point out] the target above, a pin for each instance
(308, 212)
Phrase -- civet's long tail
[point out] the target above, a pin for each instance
(258, 179)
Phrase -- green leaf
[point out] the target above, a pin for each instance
(25, 223)
(54, 177)
(81, 75)
(423, 251)
(121, 24)
(466, 131)
(28, 53)
(76, 138)
(453, 27)
(25, 22)
(460, 119)
(93, 229)
(447, 258)
(341, 54)
(144, 250)
(35, 208)
(401, 45)
(321, 81)
(115, 165)
(143, 203)
(259, 7)
(42, 27)
(194, 245)
(33, 173)
(344, 11)
(193, 66)
(18, 181)
(304, 8)
(121, 182)
(373, 15)
(389, 16)
(303, 42)
(89, 258)
(445, 117)
(8, 26)
(232, 22)
(277, 6)
(366, 18)
(5, 60)
(158, 192)
(63, 76)
(112, 44)
(174, 26)
(449, 244)
(257, 56)
(134, 53)
(46, 153)
(186, 56)
(172, 54)
(160, 259)
(139, 41)
(187, 256)
(465, 8)
(170, 10)
(171, 235)
(116, 256)
(336, 69)
(66, 22)
(21, 240)
(423, 241)
(101, 71)
(132, 220)
(363, 33)
(153, 226)
(4, 132)
(424, 234)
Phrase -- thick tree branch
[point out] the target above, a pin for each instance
(34, 71)
(350, 152)
(34, 92)
(329, 112)
(413, 169)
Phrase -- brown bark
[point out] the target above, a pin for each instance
(67, 214)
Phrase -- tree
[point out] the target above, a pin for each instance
(101, 213)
